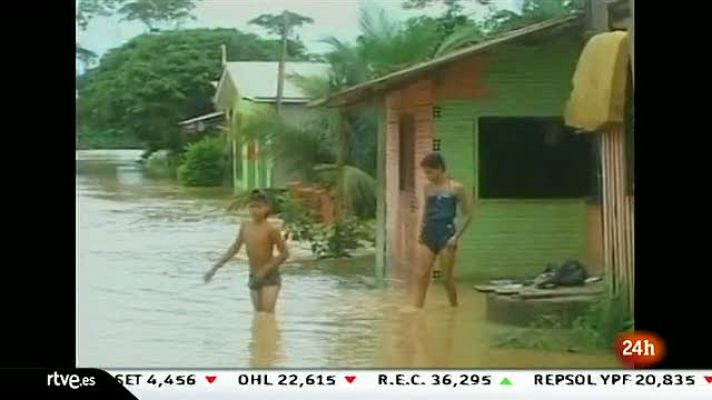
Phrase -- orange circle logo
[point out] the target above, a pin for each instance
(640, 349)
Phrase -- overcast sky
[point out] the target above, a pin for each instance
(331, 17)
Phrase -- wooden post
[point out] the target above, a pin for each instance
(599, 16)
(282, 60)
(244, 178)
(631, 38)
(256, 159)
(269, 163)
(381, 237)
(232, 130)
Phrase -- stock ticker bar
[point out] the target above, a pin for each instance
(369, 384)
(391, 384)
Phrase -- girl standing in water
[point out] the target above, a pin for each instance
(439, 236)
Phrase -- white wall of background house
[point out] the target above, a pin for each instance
(255, 83)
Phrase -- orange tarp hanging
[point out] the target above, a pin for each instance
(599, 83)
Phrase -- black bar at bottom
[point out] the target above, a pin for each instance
(61, 384)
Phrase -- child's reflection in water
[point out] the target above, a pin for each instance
(424, 340)
(265, 346)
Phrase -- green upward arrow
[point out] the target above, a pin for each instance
(505, 381)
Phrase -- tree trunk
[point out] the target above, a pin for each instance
(343, 208)
(282, 60)
(346, 139)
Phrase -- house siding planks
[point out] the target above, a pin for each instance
(403, 219)
(618, 214)
(511, 238)
(381, 270)
(393, 247)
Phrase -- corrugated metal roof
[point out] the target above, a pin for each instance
(396, 79)
(202, 118)
(257, 80)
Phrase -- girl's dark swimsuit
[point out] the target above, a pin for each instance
(439, 220)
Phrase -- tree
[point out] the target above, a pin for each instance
(149, 12)
(387, 45)
(532, 11)
(382, 47)
(145, 87)
(88, 9)
(450, 21)
(341, 142)
(458, 30)
(85, 56)
(154, 12)
(282, 25)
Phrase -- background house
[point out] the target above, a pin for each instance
(495, 111)
(203, 124)
(245, 88)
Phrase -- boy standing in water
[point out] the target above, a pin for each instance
(439, 237)
(260, 238)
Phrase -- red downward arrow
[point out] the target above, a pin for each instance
(708, 379)
(350, 379)
(211, 379)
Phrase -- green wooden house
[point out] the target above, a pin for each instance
(495, 112)
(246, 89)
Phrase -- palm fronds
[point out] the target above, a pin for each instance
(462, 37)
(374, 23)
(355, 189)
(316, 87)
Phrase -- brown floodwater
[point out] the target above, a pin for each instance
(144, 245)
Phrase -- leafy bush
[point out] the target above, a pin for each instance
(145, 86)
(596, 329)
(242, 197)
(204, 163)
(603, 322)
(105, 139)
(297, 219)
(354, 188)
(334, 240)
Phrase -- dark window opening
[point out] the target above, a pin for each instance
(535, 158)
(406, 155)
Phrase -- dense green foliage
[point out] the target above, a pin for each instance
(85, 56)
(344, 139)
(334, 240)
(152, 13)
(162, 165)
(203, 163)
(281, 24)
(533, 11)
(596, 329)
(106, 139)
(145, 87)
(141, 90)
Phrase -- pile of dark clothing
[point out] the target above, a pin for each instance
(568, 273)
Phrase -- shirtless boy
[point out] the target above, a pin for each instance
(260, 238)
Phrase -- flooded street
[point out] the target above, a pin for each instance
(144, 245)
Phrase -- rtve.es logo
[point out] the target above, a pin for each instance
(640, 349)
(72, 381)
